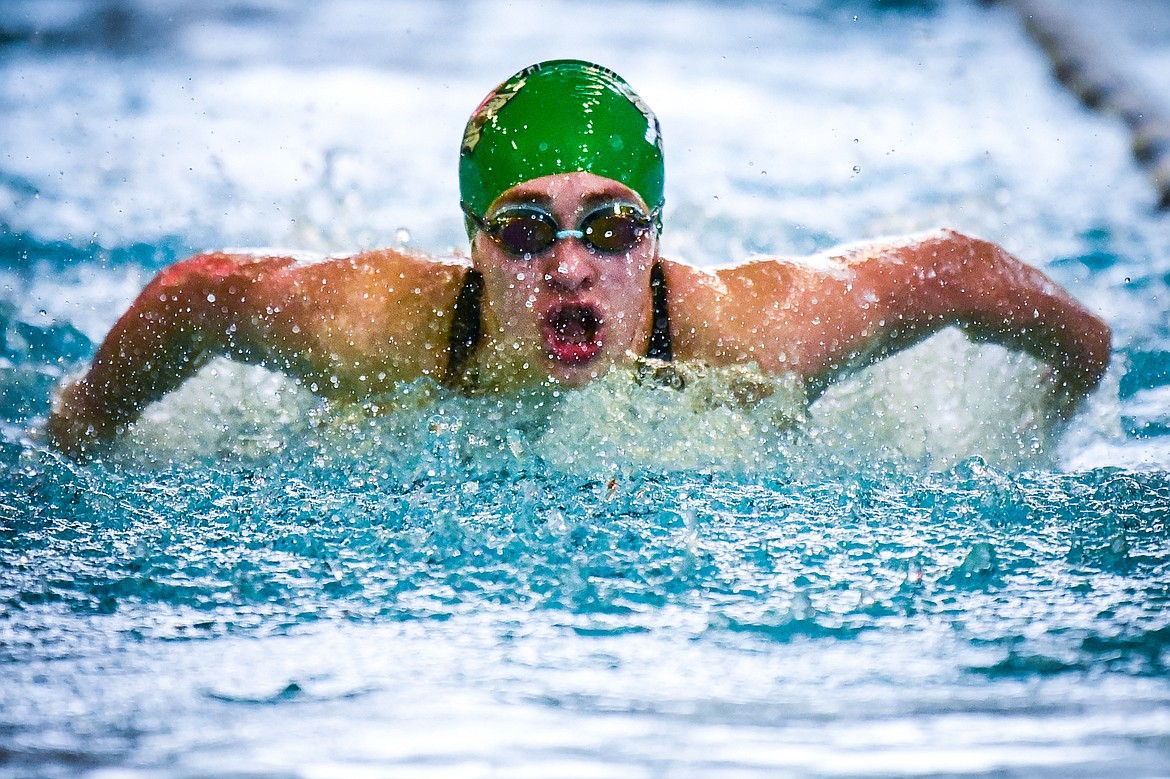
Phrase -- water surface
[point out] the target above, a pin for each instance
(922, 578)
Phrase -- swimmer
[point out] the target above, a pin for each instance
(561, 179)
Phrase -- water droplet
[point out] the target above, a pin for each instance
(402, 236)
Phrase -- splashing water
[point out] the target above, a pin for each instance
(671, 572)
(655, 418)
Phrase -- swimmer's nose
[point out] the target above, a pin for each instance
(570, 267)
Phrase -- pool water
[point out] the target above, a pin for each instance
(921, 576)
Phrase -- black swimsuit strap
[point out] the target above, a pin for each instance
(467, 312)
(466, 315)
(659, 348)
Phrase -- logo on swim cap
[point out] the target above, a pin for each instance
(560, 116)
(488, 110)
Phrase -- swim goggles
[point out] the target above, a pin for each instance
(526, 230)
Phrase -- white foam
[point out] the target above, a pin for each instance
(933, 406)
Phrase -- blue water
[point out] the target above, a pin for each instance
(921, 578)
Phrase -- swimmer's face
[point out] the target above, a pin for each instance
(570, 312)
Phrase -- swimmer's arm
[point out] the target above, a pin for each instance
(832, 315)
(947, 278)
(177, 322)
(341, 320)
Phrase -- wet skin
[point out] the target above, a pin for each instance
(569, 313)
(353, 327)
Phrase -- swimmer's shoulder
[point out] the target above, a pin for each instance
(406, 274)
(390, 276)
(731, 314)
(383, 314)
(298, 266)
(704, 291)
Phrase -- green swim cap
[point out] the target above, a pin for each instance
(560, 116)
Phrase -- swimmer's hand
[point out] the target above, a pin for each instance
(78, 427)
(1062, 401)
(1073, 342)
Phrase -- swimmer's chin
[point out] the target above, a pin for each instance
(574, 377)
(546, 371)
(578, 375)
(538, 375)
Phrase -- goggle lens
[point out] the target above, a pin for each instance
(525, 230)
(614, 229)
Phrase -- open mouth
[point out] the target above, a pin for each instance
(572, 334)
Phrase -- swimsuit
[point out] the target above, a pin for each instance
(466, 318)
